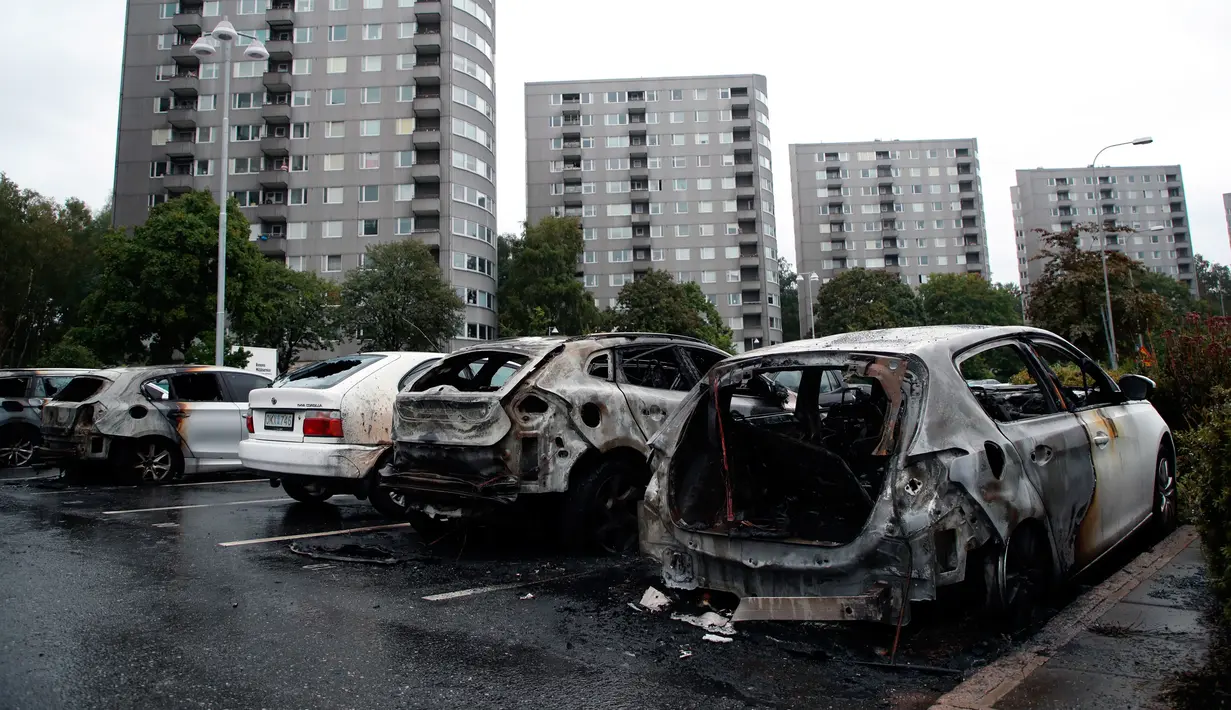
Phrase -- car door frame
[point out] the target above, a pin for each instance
(1125, 474)
(176, 411)
(1065, 489)
(241, 405)
(650, 407)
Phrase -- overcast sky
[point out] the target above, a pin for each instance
(1041, 83)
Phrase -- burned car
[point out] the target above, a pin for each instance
(966, 461)
(22, 395)
(152, 423)
(513, 419)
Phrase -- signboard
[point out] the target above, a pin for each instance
(264, 361)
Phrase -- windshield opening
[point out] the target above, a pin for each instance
(482, 371)
(326, 374)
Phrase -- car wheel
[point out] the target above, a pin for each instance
(391, 504)
(307, 492)
(430, 529)
(154, 461)
(1024, 575)
(19, 447)
(600, 509)
(1165, 510)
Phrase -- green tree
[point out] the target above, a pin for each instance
(538, 281)
(860, 299)
(400, 300)
(1213, 285)
(655, 303)
(156, 289)
(294, 311)
(1069, 298)
(790, 300)
(955, 299)
(48, 268)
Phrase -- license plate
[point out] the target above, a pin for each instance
(278, 420)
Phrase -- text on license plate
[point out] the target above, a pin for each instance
(278, 420)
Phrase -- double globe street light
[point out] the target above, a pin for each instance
(206, 47)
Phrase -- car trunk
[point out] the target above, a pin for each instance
(278, 413)
(61, 413)
(804, 463)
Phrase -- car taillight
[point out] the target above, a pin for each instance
(251, 426)
(323, 424)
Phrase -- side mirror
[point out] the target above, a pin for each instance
(1136, 387)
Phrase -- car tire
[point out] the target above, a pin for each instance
(431, 530)
(153, 461)
(1165, 508)
(391, 504)
(311, 493)
(1023, 576)
(19, 446)
(600, 508)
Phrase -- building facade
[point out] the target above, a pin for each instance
(672, 174)
(1149, 199)
(912, 208)
(372, 121)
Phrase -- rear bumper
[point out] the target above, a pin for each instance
(295, 458)
(463, 478)
(60, 450)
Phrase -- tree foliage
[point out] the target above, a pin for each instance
(1213, 286)
(860, 299)
(293, 312)
(790, 300)
(400, 300)
(655, 303)
(1069, 297)
(48, 267)
(953, 299)
(538, 286)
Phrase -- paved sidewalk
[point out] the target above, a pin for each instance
(1112, 648)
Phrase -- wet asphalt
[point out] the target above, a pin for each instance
(106, 603)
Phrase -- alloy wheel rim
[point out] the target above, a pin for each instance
(1023, 573)
(1165, 484)
(398, 499)
(616, 531)
(18, 453)
(154, 463)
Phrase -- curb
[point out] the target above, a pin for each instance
(982, 690)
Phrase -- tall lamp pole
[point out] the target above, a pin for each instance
(812, 277)
(206, 47)
(1111, 328)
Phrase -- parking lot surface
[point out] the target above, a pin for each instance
(223, 593)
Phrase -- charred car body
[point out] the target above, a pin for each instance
(851, 508)
(22, 396)
(153, 423)
(493, 423)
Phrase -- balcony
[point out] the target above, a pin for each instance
(837, 219)
(278, 114)
(884, 180)
(178, 184)
(276, 146)
(639, 196)
(750, 237)
(181, 149)
(187, 23)
(751, 309)
(426, 74)
(425, 140)
(741, 103)
(427, 42)
(889, 232)
(745, 191)
(749, 260)
(275, 213)
(182, 55)
(282, 18)
(425, 172)
(641, 219)
(745, 168)
(280, 50)
(746, 215)
(274, 179)
(278, 82)
(426, 106)
(184, 84)
(573, 199)
(182, 118)
(641, 174)
(427, 11)
(425, 206)
(271, 246)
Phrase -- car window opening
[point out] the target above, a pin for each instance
(326, 374)
(482, 371)
(80, 389)
(804, 457)
(13, 387)
(656, 367)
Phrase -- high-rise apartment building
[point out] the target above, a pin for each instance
(671, 174)
(372, 121)
(1149, 199)
(912, 208)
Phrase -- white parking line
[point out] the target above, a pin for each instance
(498, 587)
(201, 505)
(281, 538)
(91, 489)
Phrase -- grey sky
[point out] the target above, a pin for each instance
(1043, 83)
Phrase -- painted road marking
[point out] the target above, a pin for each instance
(281, 538)
(200, 505)
(166, 525)
(499, 587)
(91, 489)
(320, 566)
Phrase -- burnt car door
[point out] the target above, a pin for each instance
(1046, 441)
(654, 379)
(1123, 455)
(196, 406)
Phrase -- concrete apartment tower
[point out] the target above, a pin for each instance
(1149, 199)
(669, 173)
(372, 121)
(912, 208)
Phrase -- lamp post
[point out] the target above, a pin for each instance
(206, 47)
(1111, 328)
(808, 288)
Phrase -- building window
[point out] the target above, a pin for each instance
(369, 127)
(335, 97)
(368, 227)
(373, 31)
(331, 263)
(337, 33)
(371, 63)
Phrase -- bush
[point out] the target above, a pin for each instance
(1070, 375)
(1195, 362)
(1205, 488)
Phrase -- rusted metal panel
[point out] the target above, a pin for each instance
(878, 604)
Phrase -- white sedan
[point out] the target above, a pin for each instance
(325, 429)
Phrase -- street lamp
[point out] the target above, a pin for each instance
(808, 288)
(1111, 328)
(206, 47)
